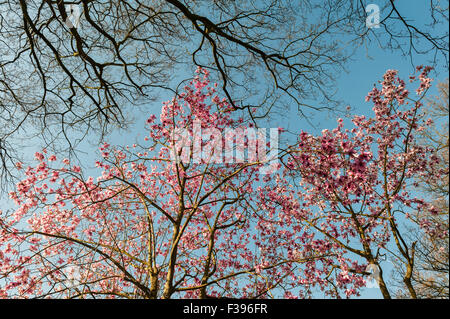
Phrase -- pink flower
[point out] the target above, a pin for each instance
(38, 156)
(76, 169)
(151, 119)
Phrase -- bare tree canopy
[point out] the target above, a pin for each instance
(60, 80)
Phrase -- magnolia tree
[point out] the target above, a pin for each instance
(162, 221)
(357, 185)
(157, 222)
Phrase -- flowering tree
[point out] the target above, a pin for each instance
(159, 223)
(430, 277)
(357, 185)
(153, 225)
